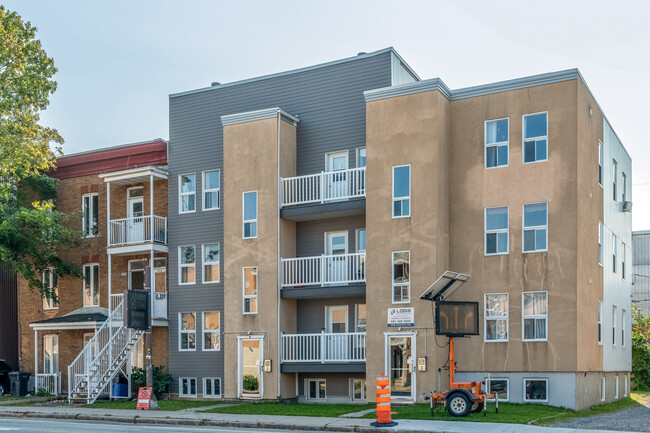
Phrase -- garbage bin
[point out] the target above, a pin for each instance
(120, 387)
(18, 382)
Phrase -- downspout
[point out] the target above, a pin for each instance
(278, 367)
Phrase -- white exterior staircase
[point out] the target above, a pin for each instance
(103, 356)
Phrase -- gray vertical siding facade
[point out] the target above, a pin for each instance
(329, 101)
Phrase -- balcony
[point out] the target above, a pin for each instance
(340, 193)
(324, 352)
(138, 230)
(333, 276)
(158, 306)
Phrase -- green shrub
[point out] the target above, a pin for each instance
(641, 349)
(250, 383)
(161, 380)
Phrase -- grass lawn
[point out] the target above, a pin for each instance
(272, 408)
(162, 404)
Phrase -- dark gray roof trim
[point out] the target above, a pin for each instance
(249, 116)
(76, 318)
(469, 92)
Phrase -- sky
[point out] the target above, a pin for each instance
(119, 60)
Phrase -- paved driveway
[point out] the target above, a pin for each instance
(636, 419)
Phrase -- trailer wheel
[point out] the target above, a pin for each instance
(458, 404)
(477, 407)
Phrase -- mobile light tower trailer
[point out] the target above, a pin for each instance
(455, 319)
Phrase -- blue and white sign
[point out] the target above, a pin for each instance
(401, 317)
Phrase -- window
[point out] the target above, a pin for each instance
(601, 235)
(614, 325)
(211, 263)
(211, 334)
(360, 316)
(211, 387)
(601, 162)
(616, 384)
(358, 389)
(535, 137)
(614, 243)
(600, 322)
(602, 389)
(401, 277)
(402, 191)
(91, 285)
(496, 143)
(250, 214)
(50, 281)
(614, 178)
(535, 390)
(535, 311)
(316, 389)
(187, 196)
(211, 189)
(625, 386)
(187, 265)
(187, 387)
(535, 227)
(50, 354)
(499, 386)
(496, 317)
(496, 230)
(90, 208)
(361, 157)
(250, 290)
(187, 331)
(623, 258)
(361, 240)
(623, 319)
(624, 187)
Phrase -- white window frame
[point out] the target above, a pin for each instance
(90, 233)
(507, 388)
(603, 389)
(535, 379)
(614, 252)
(245, 296)
(211, 263)
(356, 240)
(189, 387)
(392, 280)
(541, 137)
(601, 239)
(182, 331)
(616, 386)
(56, 354)
(533, 316)
(363, 390)
(182, 265)
(600, 323)
(317, 380)
(358, 327)
(497, 231)
(496, 318)
(213, 395)
(48, 303)
(625, 385)
(210, 331)
(207, 190)
(185, 194)
(392, 193)
(614, 180)
(245, 221)
(358, 155)
(614, 309)
(601, 163)
(92, 280)
(624, 186)
(524, 228)
(623, 259)
(497, 144)
(623, 317)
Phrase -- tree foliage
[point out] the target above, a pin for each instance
(30, 227)
(641, 349)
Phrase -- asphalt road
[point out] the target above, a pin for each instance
(28, 425)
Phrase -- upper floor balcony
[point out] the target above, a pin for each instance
(342, 192)
(137, 230)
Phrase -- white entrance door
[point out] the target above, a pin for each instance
(251, 378)
(400, 364)
(336, 322)
(336, 184)
(134, 212)
(335, 262)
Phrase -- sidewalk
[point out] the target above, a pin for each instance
(271, 421)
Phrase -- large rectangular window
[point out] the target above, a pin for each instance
(536, 390)
(50, 354)
(496, 230)
(614, 179)
(211, 331)
(316, 389)
(187, 193)
(50, 281)
(614, 325)
(535, 227)
(249, 201)
(187, 331)
(496, 143)
(600, 322)
(90, 208)
(187, 387)
(250, 290)
(614, 248)
(401, 277)
(187, 265)
(601, 162)
(535, 137)
(211, 189)
(211, 387)
(601, 235)
(91, 285)
(500, 387)
(211, 263)
(535, 314)
(496, 317)
(401, 191)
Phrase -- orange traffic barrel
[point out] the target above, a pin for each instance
(383, 400)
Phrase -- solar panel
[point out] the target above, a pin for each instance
(444, 286)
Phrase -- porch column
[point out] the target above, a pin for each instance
(35, 360)
(110, 292)
(108, 215)
(151, 210)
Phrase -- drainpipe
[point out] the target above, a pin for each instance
(278, 367)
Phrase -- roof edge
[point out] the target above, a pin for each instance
(267, 113)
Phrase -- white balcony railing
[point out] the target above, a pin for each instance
(138, 230)
(158, 310)
(49, 383)
(324, 347)
(324, 187)
(324, 270)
